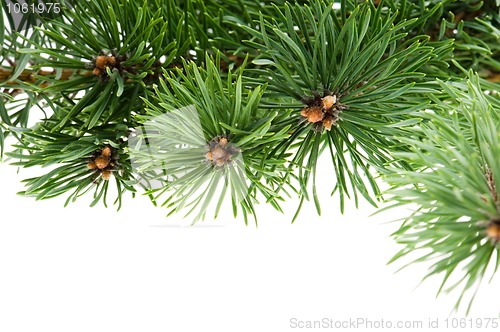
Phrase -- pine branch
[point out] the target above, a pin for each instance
(214, 105)
(204, 136)
(358, 86)
(78, 164)
(456, 224)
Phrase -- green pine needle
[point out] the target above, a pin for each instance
(363, 61)
(195, 117)
(69, 159)
(456, 222)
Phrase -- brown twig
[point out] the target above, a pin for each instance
(28, 75)
(491, 186)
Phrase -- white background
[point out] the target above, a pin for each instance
(94, 269)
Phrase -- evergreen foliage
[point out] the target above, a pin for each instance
(206, 105)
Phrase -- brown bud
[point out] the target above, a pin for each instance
(91, 165)
(101, 61)
(223, 141)
(328, 122)
(329, 101)
(493, 231)
(101, 162)
(219, 162)
(96, 72)
(315, 114)
(208, 155)
(111, 61)
(304, 112)
(219, 153)
(106, 175)
(106, 152)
